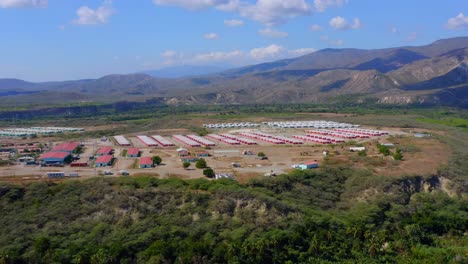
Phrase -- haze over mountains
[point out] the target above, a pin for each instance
(434, 74)
(185, 71)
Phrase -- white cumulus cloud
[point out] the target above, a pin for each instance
(233, 23)
(272, 33)
(22, 3)
(217, 56)
(268, 12)
(322, 5)
(342, 24)
(233, 57)
(88, 16)
(316, 27)
(300, 52)
(191, 4)
(269, 52)
(458, 22)
(211, 36)
(273, 12)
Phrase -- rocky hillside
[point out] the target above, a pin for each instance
(431, 74)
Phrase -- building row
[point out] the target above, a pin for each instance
(231, 125)
(35, 131)
(320, 124)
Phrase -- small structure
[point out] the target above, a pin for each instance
(133, 153)
(78, 164)
(421, 135)
(307, 165)
(225, 176)
(190, 159)
(104, 151)
(247, 152)
(55, 174)
(104, 161)
(357, 149)
(203, 154)
(146, 162)
(73, 174)
(184, 153)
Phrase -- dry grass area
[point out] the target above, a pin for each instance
(247, 176)
(422, 156)
(146, 174)
(431, 155)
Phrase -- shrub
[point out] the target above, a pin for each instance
(208, 172)
(156, 160)
(398, 155)
(383, 149)
(201, 164)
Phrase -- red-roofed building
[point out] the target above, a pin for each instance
(146, 162)
(54, 157)
(104, 151)
(133, 153)
(104, 161)
(203, 154)
(66, 147)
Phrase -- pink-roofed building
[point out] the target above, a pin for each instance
(104, 151)
(133, 152)
(104, 161)
(146, 162)
(66, 147)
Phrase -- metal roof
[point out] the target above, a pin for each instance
(54, 155)
(104, 159)
(146, 161)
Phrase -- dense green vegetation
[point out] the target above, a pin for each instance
(334, 214)
(304, 217)
(448, 121)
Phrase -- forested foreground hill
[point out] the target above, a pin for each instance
(320, 216)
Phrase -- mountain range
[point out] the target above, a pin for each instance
(431, 74)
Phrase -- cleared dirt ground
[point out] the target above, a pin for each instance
(421, 156)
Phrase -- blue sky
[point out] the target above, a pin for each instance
(74, 39)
